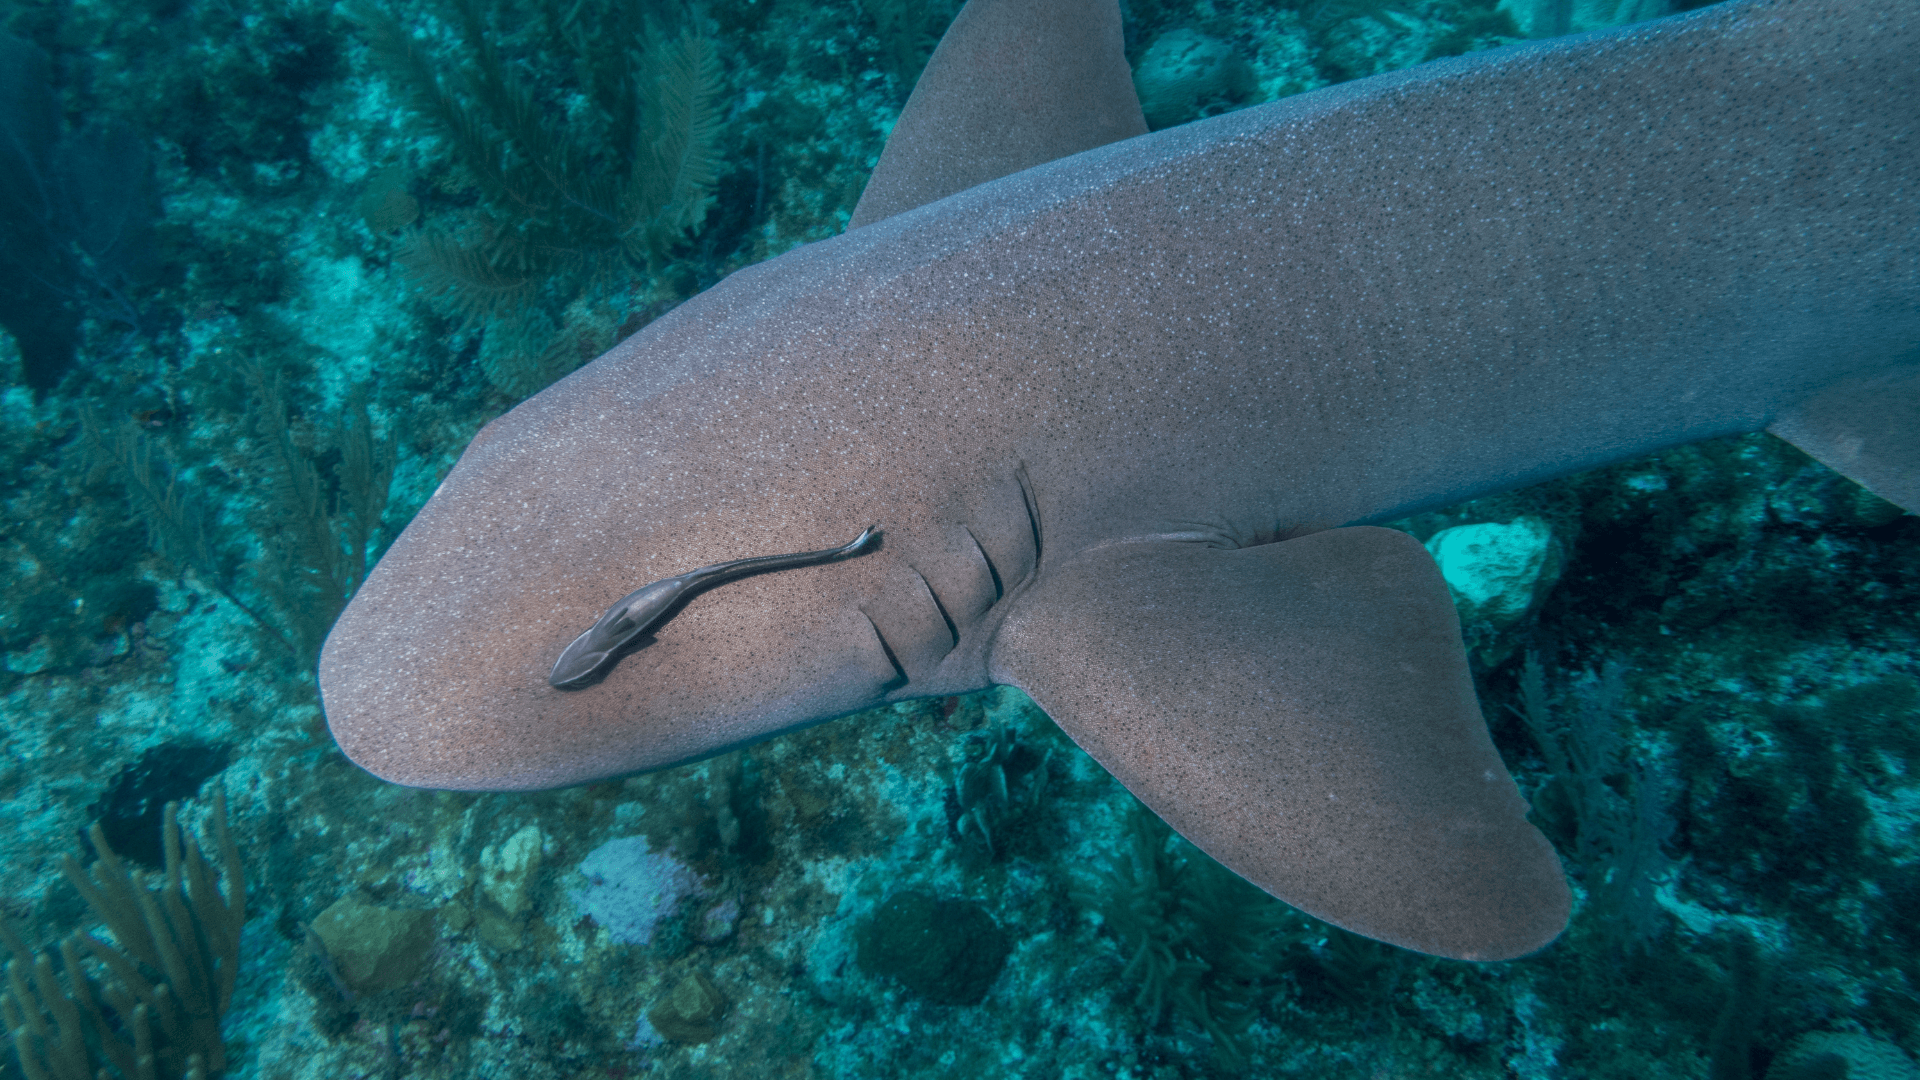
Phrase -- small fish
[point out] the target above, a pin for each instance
(650, 606)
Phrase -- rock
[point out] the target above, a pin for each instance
(691, 1012)
(717, 921)
(502, 932)
(1496, 571)
(1185, 75)
(631, 889)
(375, 948)
(507, 875)
(456, 918)
(507, 871)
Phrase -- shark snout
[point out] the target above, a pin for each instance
(430, 693)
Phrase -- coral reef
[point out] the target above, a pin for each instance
(75, 219)
(317, 531)
(132, 814)
(1833, 1055)
(1605, 805)
(907, 31)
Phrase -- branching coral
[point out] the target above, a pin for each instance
(318, 530)
(1610, 803)
(1198, 937)
(999, 776)
(907, 31)
(564, 205)
(317, 535)
(149, 1005)
(75, 218)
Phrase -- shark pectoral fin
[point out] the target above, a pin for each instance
(1867, 430)
(1301, 711)
(1013, 84)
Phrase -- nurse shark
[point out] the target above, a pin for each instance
(1121, 408)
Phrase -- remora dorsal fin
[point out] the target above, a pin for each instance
(1301, 711)
(1013, 84)
(1865, 429)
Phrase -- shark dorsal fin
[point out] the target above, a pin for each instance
(1013, 84)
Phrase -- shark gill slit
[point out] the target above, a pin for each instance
(899, 673)
(999, 589)
(953, 630)
(1032, 502)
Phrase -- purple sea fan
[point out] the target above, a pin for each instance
(630, 888)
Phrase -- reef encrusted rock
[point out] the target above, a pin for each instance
(1185, 75)
(1842, 1053)
(373, 947)
(691, 1011)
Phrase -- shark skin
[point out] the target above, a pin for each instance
(1124, 419)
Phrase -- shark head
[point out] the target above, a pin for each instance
(470, 659)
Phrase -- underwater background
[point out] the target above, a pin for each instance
(265, 271)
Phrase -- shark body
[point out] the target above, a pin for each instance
(1124, 417)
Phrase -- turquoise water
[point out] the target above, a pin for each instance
(259, 294)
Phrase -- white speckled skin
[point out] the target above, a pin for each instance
(1391, 294)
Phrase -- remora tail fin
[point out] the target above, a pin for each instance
(1302, 711)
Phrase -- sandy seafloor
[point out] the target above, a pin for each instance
(1725, 635)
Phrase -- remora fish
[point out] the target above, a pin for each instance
(1106, 407)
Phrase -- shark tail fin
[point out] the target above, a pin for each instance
(1302, 711)
(1013, 84)
(1866, 429)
